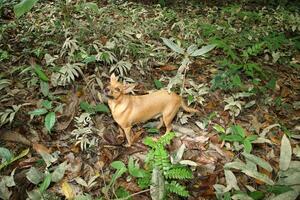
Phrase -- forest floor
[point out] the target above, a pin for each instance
(58, 138)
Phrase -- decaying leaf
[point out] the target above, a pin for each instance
(157, 188)
(285, 153)
(67, 190)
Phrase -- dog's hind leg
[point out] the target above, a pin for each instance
(161, 123)
(127, 131)
(168, 118)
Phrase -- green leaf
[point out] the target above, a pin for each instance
(203, 50)
(23, 7)
(237, 129)
(290, 195)
(257, 195)
(34, 176)
(47, 104)
(6, 154)
(232, 138)
(90, 59)
(40, 73)
(251, 138)
(247, 146)
(101, 108)
(262, 177)
(134, 169)
(38, 112)
(118, 165)
(45, 184)
(158, 84)
(152, 130)
(59, 172)
(87, 107)
(173, 46)
(44, 86)
(123, 194)
(278, 189)
(257, 160)
(50, 121)
(157, 188)
(219, 128)
(285, 153)
(21, 155)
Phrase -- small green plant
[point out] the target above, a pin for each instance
(48, 110)
(93, 109)
(161, 175)
(188, 54)
(7, 157)
(237, 134)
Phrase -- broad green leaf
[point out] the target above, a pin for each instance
(38, 112)
(232, 138)
(34, 176)
(251, 138)
(90, 59)
(59, 172)
(231, 180)
(157, 188)
(134, 169)
(123, 194)
(21, 155)
(118, 165)
(203, 50)
(260, 162)
(235, 165)
(44, 86)
(40, 73)
(219, 128)
(6, 154)
(152, 130)
(237, 129)
(86, 107)
(50, 121)
(47, 104)
(278, 189)
(191, 49)
(257, 195)
(285, 153)
(34, 194)
(101, 108)
(262, 177)
(290, 195)
(23, 7)
(173, 46)
(45, 184)
(247, 146)
(158, 84)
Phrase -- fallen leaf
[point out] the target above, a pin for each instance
(285, 153)
(168, 68)
(67, 190)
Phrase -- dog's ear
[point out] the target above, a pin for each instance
(113, 78)
(128, 88)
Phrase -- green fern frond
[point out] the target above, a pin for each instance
(149, 142)
(161, 159)
(177, 189)
(144, 182)
(179, 173)
(166, 138)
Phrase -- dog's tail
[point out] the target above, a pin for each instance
(188, 109)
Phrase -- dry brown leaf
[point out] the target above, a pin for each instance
(40, 148)
(168, 68)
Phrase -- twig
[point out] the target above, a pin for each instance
(134, 194)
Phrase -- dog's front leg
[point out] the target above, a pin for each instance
(127, 131)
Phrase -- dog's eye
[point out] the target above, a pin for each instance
(118, 89)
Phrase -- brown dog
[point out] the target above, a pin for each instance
(128, 110)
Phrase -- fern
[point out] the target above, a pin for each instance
(253, 50)
(144, 182)
(166, 139)
(161, 159)
(176, 188)
(179, 173)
